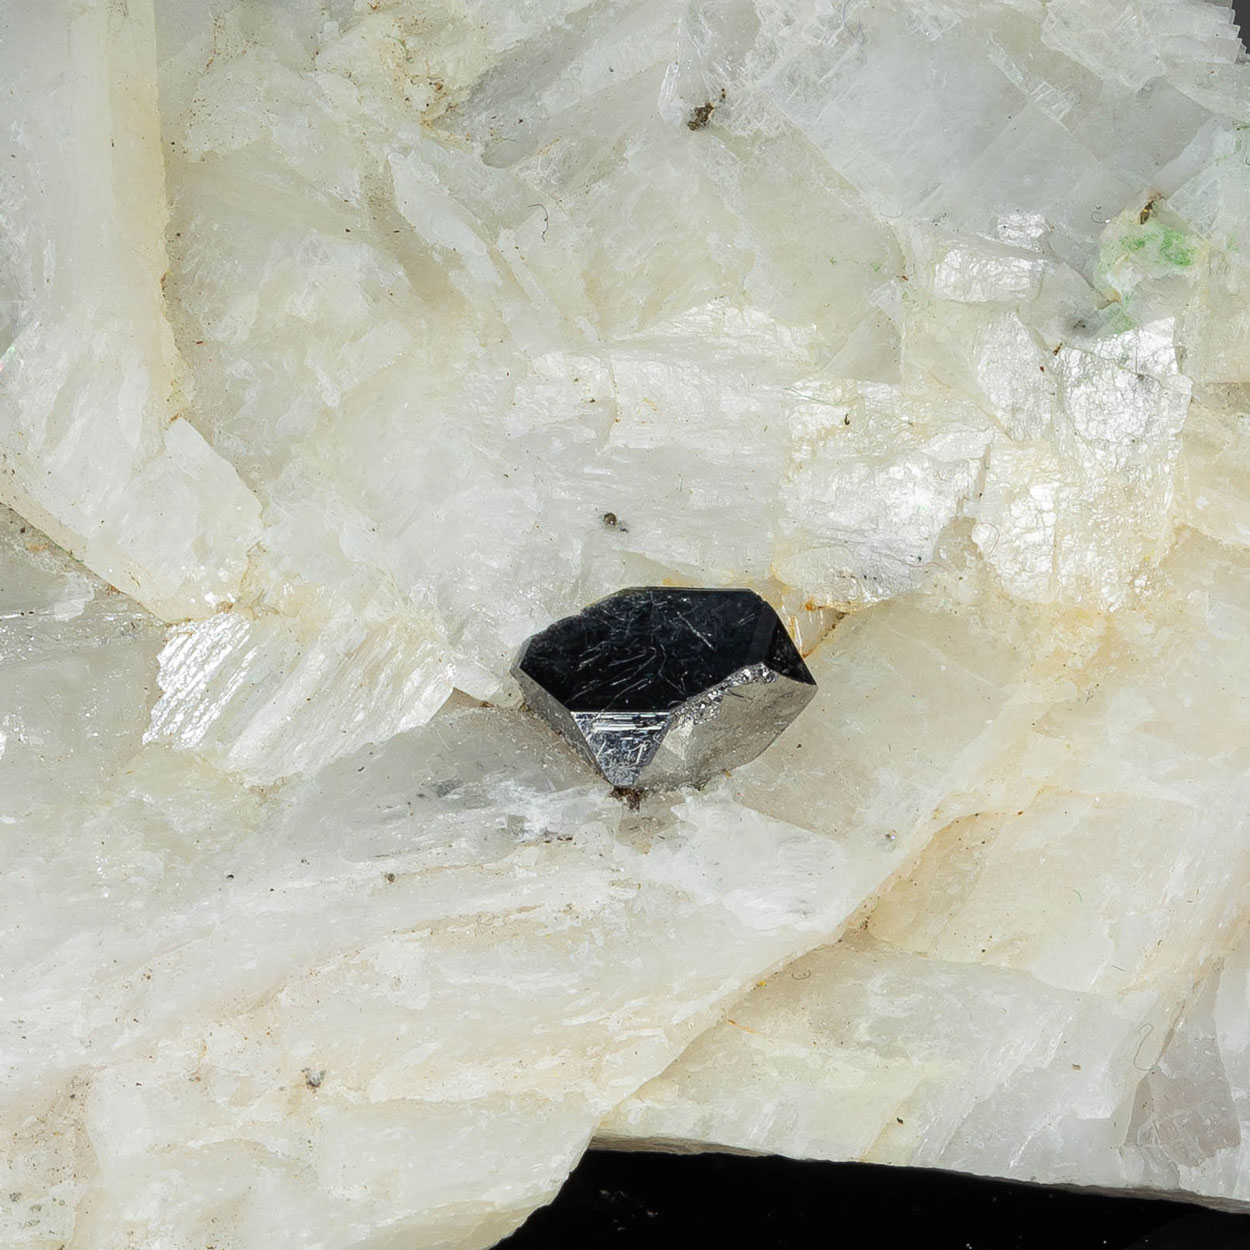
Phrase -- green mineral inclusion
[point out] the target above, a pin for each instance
(1166, 244)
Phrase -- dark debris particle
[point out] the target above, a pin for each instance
(700, 116)
(390, 876)
(629, 796)
(613, 522)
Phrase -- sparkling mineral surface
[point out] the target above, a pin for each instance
(346, 345)
(659, 686)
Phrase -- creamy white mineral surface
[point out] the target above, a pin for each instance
(343, 345)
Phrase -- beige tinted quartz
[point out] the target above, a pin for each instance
(332, 334)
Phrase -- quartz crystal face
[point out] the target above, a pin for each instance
(659, 686)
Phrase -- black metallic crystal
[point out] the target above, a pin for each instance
(663, 686)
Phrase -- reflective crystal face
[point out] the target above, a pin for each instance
(660, 686)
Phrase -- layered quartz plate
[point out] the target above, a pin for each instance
(345, 346)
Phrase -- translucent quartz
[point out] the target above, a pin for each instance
(343, 346)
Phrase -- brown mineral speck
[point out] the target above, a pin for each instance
(630, 797)
(700, 117)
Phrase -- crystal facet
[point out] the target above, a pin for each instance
(659, 686)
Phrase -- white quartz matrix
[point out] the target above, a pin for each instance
(345, 343)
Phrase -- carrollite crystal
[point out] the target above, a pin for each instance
(659, 686)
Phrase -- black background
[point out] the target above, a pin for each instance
(628, 1201)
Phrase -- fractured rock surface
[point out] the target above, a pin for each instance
(344, 346)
